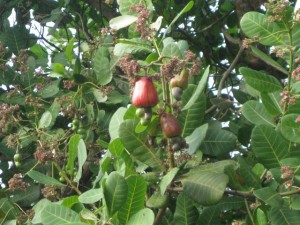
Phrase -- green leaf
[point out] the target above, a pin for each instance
(260, 81)
(157, 201)
(260, 217)
(167, 179)
(268, 146)
(206, 188)
(25, 198)
(216, 167)
(199, 90)
(187, 8)
(70, 201)
(136, 144)
(72, 152)
(171, 50)
(284, 216)
(50, 90)
(38, 208)
(116, 147)
(115, 122)
(290, 129)
(269, 196)
(136, 197)
(192, 118)
(245, 171)
(115, 192)
(132, 46)
(120, 22)
(82, 156)
(45, 120)
(142, 217)
(268, 60)
(196, 138)
(54, 214)
(90, 196)
(43, 179)
(257, 114)
(255, 24)
(218, 142)
(211, 215)
(101, 67)
(185, 213)
(69, 50)
(271, 102)
(15, 38)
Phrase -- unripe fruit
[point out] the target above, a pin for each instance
(180, 80)
(177, 93)
(17, 157)
(144, 93)
(140, 112)
(169, 125)
(18, 164)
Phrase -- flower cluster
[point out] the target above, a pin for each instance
(277, 9)
(16, 182)
(287, 98)
(20, 60)
(50, 192)
(142, 23)
(129, 66)
(287, 174)
(6, 113)
(47, 152)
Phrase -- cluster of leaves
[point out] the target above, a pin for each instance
(73, 150)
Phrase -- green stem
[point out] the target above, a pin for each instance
(248, 211)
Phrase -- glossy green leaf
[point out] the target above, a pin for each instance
(193, 117)
(186, 213)
(260, 81)
(271, 102)
(211, 215)
(216, 167)
(50, 90)
(267, 59)
(171, 50)
(15, 38)
(142, 217)
(284, 216)
(43, 179)
(290, 129)
(26, 197)
(90, 196)
(246, 173)
(82, 156)
(255, 24)
(269, 196)
(54, 214)
(136, 144)
(69, 50)
(206, 188)
(196, 138)
(269, 146)
(218, 142)
(136, 198)
(122, 21)
(257, 114)
(198, 91)
(132, 46)
(187, 8)
(167, 179)
(45, 120)
(260, 217)
(101, 67)
(115, 192)
(157, 201)
(116, 147)
(70, 201)
(72, 152)
(38, 208)
(115, 122)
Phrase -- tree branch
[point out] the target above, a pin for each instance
(228, 71)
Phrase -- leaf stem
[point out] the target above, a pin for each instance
(159, 215)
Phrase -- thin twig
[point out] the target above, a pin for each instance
(228, 71)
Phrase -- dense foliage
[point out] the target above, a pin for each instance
(149, 112)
